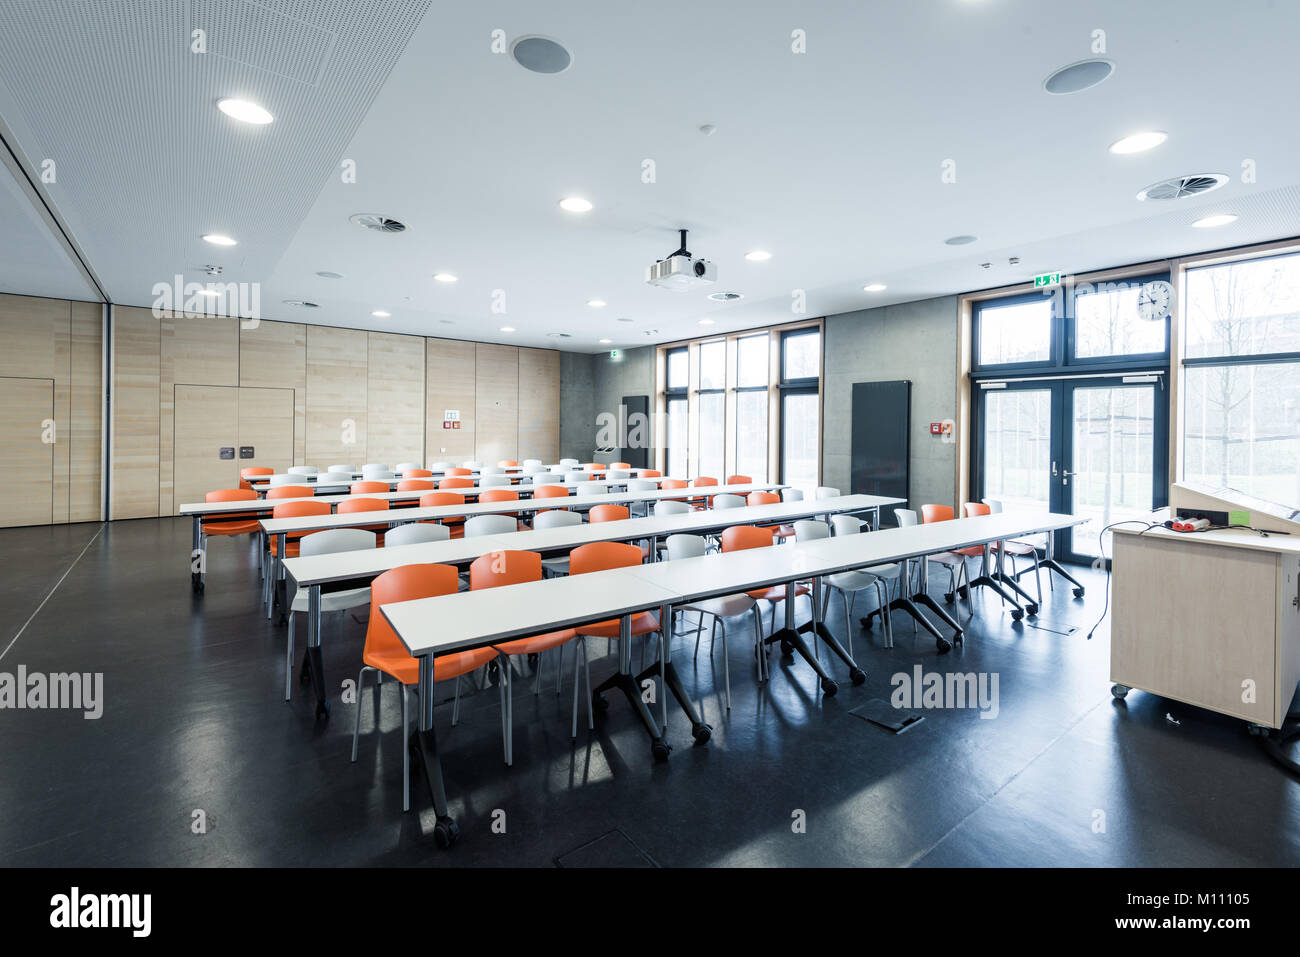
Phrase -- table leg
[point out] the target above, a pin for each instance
(664, 669)
(1054, 566)
(817, 626)
(196, 554)
(314, 654)
(909, 605)
(624, 681)
(994, 580)
(792, 640)
(423, 745)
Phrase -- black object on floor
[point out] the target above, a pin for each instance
(611, 849)
(883, 714)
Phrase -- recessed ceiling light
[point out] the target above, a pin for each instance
(381, 314)
(218, 239)
(596, 303)
(213, 292)
(444, 277)
(605, 342)
(1080, 76)
(874, 287)
(706, 322)
(507, 328)
(246, 111)
(330, 275)
(960, 240)
(575, 204)
(1219, 219)
(541, 54)
(1139, 142)
(758, 256)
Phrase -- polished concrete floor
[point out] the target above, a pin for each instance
(195, 729)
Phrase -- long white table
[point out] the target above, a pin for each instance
(316, 572)
(261, 483)
(429, 627)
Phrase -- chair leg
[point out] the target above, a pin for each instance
(713, 635)
(406, 751)
(580, 643)
(559, 667)
(758, 642)
(586, 678)
(503, 687)
(455, 707)
(356, 731)
(1038, 580)
(726, 665)
(288, 662)
(699, 629)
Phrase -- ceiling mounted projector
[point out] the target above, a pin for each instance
(680, 272)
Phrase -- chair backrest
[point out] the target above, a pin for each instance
(728, 501)
(592, 466)
(669, 507)
(255, 470)
(608, 513)
(375, 468)
(405, 583)
(568, 462)
(290, 491)
(905, 517)
(491, 479)
(335, 478)
(973, 509)
(300, 509)
(615, 475)
(740, 480)
(363, 504)
(490, 525)
(440, 466)
(282, 478)
(532, 463)
(498, 495)
(533, 468)
(505, 567)
(458, 470)
(760, 498)
(592, 488)
(550, 491)
(414, 485)
(620, 465)
(739, 537)
(231, 495)
(846, 524)
(994, 504)
(416, 473)
(413, 533)
(826, 491)
(547, 478)
(492, 470)
(673, 483)
(434, 499)
(556, 518)
(791, 495)
(937, 513)
(336, 540)
(809, 530)
(368, 485)
(507, 464)
(686, 546)
(303, 470)
(704, 480)
(404, 467)
(456, 481)
(473, 465)
(641, 485)
(576, 476)
(342, 468)
(599, 556)
(651, 473)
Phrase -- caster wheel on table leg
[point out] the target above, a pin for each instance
(787, 649)
(829, 687)
(659, 749)
(1032, 609)
(701, 732)
(948, 597)
(1120, 691)
(445, 832)
(1078, 592)
(943, 645)
(1017, 614)
(857, 676)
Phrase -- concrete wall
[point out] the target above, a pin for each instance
(915, 341)
(577, 405)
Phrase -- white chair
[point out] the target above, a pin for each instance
(283, 479)
(547, 478)
(848, 584)
(377, 476)
(569, 463)
(535, 469)
(666, 508)
(490, 525)
(1018, 549)
(304, 470)
(415, 533)
(956, 564)
(728, 501)
(593, 489)
(642, 508)
(577, 476)
(439, 466)
(791, 495)
(325, 543)
(825, 491)
(719, 609)
(533, 463)
(493, 470)
(404, 467)
(375, 467)
(488, 480)
(473, 465)
(892, 572)
(555, 518)
(335, 478)
(343, 468)
(618, 474)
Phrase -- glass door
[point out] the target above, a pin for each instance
(1016, 445)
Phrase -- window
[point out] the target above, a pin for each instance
(1241, 378)
(724, 400)
(1107, 323)
(1016, 332)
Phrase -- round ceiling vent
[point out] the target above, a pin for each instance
(1078, 76)
(377, 223)
(325, 274)
(1180, 187)
(959, 240)
(301, 302)
(725, 296)
(540, 55)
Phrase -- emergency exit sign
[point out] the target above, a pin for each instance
(1047, 279)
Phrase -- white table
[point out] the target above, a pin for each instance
(433, 626)
(261, 483)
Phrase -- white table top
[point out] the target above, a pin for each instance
(470, 619)
(1230, 537)
(262, 482)
(367, 563)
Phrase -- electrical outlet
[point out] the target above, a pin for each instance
(1214, 518)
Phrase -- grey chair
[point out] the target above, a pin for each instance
(414, 533)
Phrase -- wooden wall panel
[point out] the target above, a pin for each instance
(449, 365)
(196, 350)
(273, 355)
(496, 406)
(28, 325)
(27, 404)
(206, 418)
(133, 484)
(395, 399)
(61, 329)
(266, 419)
(336, 396)
(539, 405)
(86, 415)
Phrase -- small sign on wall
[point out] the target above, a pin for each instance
(245, 451)
(451, 418)
(227, 452)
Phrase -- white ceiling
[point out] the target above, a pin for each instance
(830, 159)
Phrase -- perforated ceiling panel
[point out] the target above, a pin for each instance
(121, 96)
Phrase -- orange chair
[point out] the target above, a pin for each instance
(251, 472)
(241, 523)
(515, 568)
(507, 464)
(295, 510)
(599, 556)
(435, 499)
(740, 537)
(417, 474)
(780, 532)
(385, 652)
(361, 488)
(620, 465)
(456, 481)
(290, 491)
(703, 481)
(739, 480)
(362, 504)
(955, 562)
(651, 473)
(414, 485)
(458, 470)
(616, 513)
(503, 495)
(551, 491)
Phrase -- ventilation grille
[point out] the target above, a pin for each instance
(1181, 187)
(377, 223)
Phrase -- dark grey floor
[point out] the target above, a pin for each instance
(194, 719)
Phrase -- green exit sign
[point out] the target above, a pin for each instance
(1047, 279)
(613, 354)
